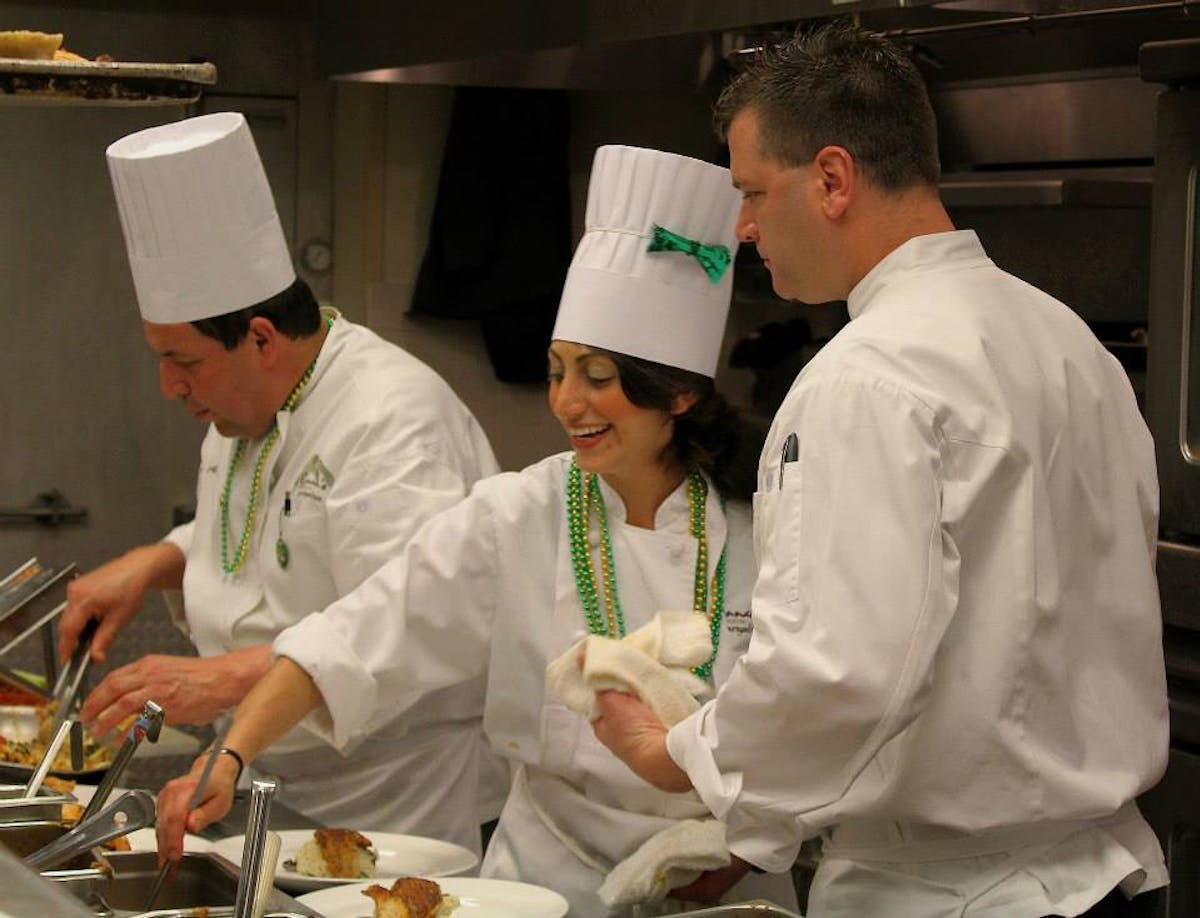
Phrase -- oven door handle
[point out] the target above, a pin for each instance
(1185, 346)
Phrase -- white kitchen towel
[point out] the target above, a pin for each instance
(653, 663)
(672, 858)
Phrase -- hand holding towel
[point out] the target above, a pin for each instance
(653, 663)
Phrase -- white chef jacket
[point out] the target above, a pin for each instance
(487, 588)
(956, 668)
(377, 444)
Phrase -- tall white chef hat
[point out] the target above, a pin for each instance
(653, 274)
(200, 224)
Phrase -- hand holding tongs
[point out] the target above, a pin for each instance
(132, 810)
(147, 726)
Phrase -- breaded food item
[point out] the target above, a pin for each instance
(411, 897)
(30, 46)
(341, 853)
(62, 54)
(58, 785)
(71, 812)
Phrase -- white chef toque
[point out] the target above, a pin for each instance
(666, 305)
(200, 224)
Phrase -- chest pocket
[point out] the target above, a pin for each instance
(777, 531)
(299, 533)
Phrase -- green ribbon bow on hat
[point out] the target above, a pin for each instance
(714, 259)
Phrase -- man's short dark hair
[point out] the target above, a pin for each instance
(842, 85)
(293, 311)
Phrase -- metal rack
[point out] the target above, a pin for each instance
(103, 82)
(28, 608)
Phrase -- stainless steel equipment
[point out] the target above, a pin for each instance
(204, 884)
(256, 871)
(45, 805)
(132, 810)
(147, 727)
(28, 608)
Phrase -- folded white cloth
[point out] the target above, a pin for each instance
(674, 857)
(653, 663)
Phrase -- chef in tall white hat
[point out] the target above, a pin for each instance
(327, 448)
(644, 513)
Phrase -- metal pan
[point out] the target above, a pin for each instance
(47, 805)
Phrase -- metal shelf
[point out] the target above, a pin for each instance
(102, 82)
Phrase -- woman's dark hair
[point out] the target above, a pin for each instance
(293, 311)
(710, 435)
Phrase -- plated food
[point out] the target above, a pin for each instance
(396, 856)
(476, 898)
(340, 853)
(411, 897)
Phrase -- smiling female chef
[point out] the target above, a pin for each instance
(597, 540)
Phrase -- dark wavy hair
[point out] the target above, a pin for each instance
(836, 83)
(293, 311)
(711, 435)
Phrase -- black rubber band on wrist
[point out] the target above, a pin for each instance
(241, 763)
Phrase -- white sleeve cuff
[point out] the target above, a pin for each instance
(346, 686)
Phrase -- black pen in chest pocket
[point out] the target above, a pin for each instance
(789, 453)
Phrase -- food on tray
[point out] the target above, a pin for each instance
(12, 695)
(31, 46)
(411, 897)
(58, 785)
(71, 813)
(341, 853)
(30, 753)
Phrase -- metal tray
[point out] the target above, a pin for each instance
(204, 880)
(103, 82)
(24, 838)
(171, 742)
(46, 805)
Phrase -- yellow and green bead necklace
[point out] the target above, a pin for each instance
(238, 561)
(585, 498)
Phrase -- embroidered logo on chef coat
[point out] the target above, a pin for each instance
(314, 481)
(739, 622)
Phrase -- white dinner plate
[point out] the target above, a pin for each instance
(478, 898)
(85, 792)
(399, 856)
(145, 840)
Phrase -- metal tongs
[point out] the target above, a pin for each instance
(147, 727)
(132, 810)
(67, 688)
(47, 762)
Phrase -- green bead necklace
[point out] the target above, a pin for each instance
(581, 500)
(235, 564)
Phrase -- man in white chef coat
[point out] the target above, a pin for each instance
(327, 449)
(956, 674)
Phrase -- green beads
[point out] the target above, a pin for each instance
(238, 561)
(610, 622)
